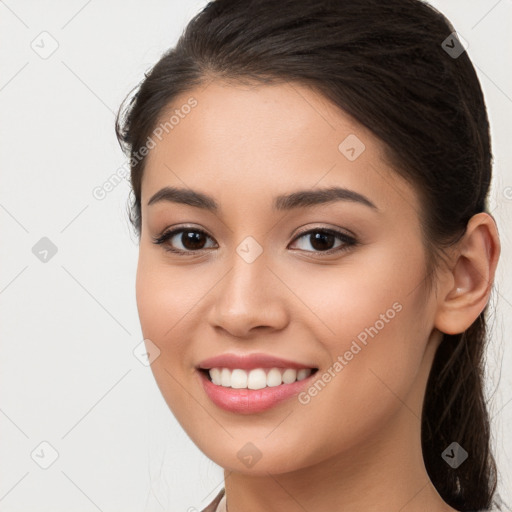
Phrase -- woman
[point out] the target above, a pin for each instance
(316, 256)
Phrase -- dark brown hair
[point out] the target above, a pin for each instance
(390, 66)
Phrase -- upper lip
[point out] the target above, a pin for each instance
(249, 362)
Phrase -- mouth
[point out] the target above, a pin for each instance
(257, 378)
(245, 391)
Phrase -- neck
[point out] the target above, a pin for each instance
(387, 474)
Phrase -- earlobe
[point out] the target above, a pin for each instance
(468, 288)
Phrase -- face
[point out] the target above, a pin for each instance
(333, 288)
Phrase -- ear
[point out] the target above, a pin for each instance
(465, 291)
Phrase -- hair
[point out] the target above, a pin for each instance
(385, 64)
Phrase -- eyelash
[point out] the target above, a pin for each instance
(348, 241)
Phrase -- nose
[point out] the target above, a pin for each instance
(249, 298)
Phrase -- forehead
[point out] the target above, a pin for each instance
(252, 138)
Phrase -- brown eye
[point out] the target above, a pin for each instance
(192, 240)
(183, 240)
(324, 240)
(187, 240)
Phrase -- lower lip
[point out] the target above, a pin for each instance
(250, 401)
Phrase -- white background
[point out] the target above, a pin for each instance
(67, 372)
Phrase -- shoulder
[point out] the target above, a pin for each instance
(212, 507)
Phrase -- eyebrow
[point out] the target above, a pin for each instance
(299, 199)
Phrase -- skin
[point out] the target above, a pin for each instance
(356, 445)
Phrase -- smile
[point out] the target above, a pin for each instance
(258, 378)
(229, 388)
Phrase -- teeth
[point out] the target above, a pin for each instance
(215, 376)
(289, 376)
(257, 378)
(274, 378)
(238, 379)
(225, 377)
(303, 373)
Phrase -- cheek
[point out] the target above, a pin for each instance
(152, 296)
(168, 298)
(379, 316)
(166, 295)
(373, 295)
(375, 301)
(160, 309)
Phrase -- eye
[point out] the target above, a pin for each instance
(323, 240)
(191, 239)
